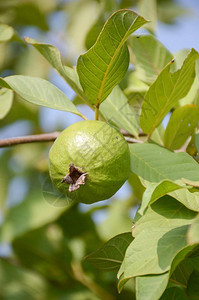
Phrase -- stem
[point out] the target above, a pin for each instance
(177, 282)
(97, 112)
(45, 137)
(79, 275)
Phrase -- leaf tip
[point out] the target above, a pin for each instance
(29, 40)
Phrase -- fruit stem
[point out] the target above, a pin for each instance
(97, 112)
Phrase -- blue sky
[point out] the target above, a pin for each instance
(185, 33)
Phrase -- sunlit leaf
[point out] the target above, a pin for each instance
(53, 56)
(148, 9)
(6, 98)
(116, 110)
(190, 182)
(151, 287)
(105, 64)
(39, 91)
(181, 125)
(94, 31)
(6, 33)
(150, 57)
(166, 91)
(155, 163)
(159, 235)
(193, 233)
(155, 191)
(187, 198)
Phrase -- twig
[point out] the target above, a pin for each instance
(79, 275)
(45, 137)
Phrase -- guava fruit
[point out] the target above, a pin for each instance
(89, 161)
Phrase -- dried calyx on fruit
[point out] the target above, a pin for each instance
(89, 161)
(74, 178)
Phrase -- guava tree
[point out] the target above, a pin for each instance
(57, 247)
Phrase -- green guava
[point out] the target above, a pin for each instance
(89, 161)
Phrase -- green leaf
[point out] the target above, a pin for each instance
(176, 293)
(193, 93)
(190, 182)
(30, 212)
(154, 163)
(182, 272)
(197, 141)
(116, 110)
(104, 65)
(137, 187)
(193, 232)
(39, 91)
(110, 256)
(157, 135)
(193, 287)
(181, 256)
(155, 191)
(181, 125)
(6, 33)
(148, 9)
(6, 99)
(187, 198)
(159, 235)
(118, 220)
(53, 56)
(151, 287)
(43, 243)
(149, 57)
(94, 31)
(17, 283)
(30, 14)
(166, 91)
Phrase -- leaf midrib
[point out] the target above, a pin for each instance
(109, 65)
(168, 99)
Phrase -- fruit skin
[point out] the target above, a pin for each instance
(94, 147)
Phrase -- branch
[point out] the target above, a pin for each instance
(79, 275)
(45, 137)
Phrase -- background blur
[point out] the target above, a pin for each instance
(42, 242)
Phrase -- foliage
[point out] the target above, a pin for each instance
(54, 251)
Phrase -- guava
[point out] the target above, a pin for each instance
(89, 161)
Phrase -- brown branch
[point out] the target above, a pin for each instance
(45, 137)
